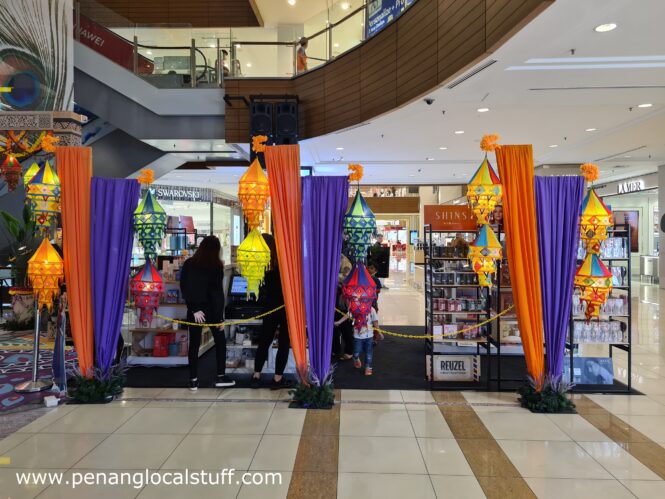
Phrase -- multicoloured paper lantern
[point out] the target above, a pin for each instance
(253, 259)
(253, 193)
(11, 170)
(46, 270)
(484, 192)
(359, 225)
(483, 253)
(596, 218)
(359, 291)
(150, 224)
(43, 194)
(29, 173)
(594, 281)
(147, 288)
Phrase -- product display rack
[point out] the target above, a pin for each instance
(572, 345)
(477, 346)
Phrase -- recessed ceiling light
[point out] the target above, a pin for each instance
(291, 2)
(149, 52)
(430, 159)
(249, 64)
(483, 109)
(212, 45)
(443, 148)
(459, 132)
(604, 28)
(340, 148)
(645, 105)
(345, 5)
(238, 46)
(590, 129)
(628, 156)
(553, 145)
(412, 175)
(336, 45)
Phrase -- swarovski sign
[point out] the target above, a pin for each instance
(631, 186)
(175, 193)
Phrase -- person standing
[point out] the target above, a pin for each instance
(301, 55)
(271, 297)
(201, 284)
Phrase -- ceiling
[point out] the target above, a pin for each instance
(542, 107)
(276, 12)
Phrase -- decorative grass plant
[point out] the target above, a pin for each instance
(99, 389)
(314, 394)
(552, 398)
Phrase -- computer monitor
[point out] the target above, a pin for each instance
(238, 286)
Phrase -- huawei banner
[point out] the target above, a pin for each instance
(450, 217)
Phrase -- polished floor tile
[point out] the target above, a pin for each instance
(47, 419)
(45, 450)
(175, 420)
(417, 397)
(393, 396)
(11, 441)
(380, 455)
(167, 404)
(443, 456)
(617, 461)
(459, 487)
(250, 394)
(285, 421)
(276, 488)
(92, 419)
(522, 426)
(213, 488)
(552, 459)
(276, 453)
(130, 451)
(645, 489)
(636, 405)
(99, 491)
(375, 423)
(652, 427)
(11, 489)
(141, 392)
(429, 423)
(187, 394)
(384, 486)
(556, 488)
(214, 452)
(229, 420)
(578, 428)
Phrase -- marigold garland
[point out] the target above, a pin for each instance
(589, 171)
(146, 176)
(258, 143)
(49, 142)
(489, 142)
(356, 174)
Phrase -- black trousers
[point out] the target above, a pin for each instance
(343, 332)
(195, 344)
(268, 329)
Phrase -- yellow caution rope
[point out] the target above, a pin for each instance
(221, 324)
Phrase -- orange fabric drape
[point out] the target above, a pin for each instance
(519, 212)
(283, 163)
(75, 171)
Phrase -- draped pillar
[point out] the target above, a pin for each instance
(519, 208)
(324, 202)
(558, 209)
(75, 171)
(283, 163)
(113, 204)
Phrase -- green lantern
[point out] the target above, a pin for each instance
(150, 224)
(359, 225)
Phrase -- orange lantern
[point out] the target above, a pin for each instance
(253, 193)
(46, 271)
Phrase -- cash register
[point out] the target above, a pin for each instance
(239, 305)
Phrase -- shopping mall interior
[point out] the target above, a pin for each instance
(332, 249)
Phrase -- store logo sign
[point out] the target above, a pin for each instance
(450, 218)
(632, 186)
(456, 368)
(171, 193)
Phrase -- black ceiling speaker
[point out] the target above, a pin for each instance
(260, 119)
(286, 123)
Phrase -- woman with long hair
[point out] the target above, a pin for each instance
(201, 284)
(271, 297)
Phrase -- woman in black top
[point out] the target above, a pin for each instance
(271, 297)
(201, 284)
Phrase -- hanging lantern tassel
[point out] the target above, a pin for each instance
(150, 224)
(43, 194)
(594, 281)
(484, 192)
(253, 193)
(46, 271)
(359, 225)
(595, 219)
(11, 171)
(359, 291)
(253, 259)
(483, 253)
(147, 287)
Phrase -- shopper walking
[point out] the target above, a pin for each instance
(363, 341)
(201, 284)
(271, 297)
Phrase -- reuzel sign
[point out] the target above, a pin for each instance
(450, 218)
(632, 186)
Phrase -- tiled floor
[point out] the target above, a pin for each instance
(376, 444)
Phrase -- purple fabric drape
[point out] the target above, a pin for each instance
(558, 209)
(112, 205)
(324, 201)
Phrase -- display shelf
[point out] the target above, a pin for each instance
(601, 317)
(463, 286)
(447, 258)
(179, 360)
(441, 312)
(157, 330)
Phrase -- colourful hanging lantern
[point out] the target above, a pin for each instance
(253, 259)
(43, 194)
(596, 218)
(483, 253)
(46, 271)
(147, 288)
(11, 170)
(150, 224)
(594, 281)
(359, 225)
(359, 291)
(29, 173)
(253, 193)
(484, 192)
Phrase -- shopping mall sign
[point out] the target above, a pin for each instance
(175, 193)
(456, 368)
(450, 217)
(630, 186)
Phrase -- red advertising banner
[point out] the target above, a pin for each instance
(112, 46)
(450, 217)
